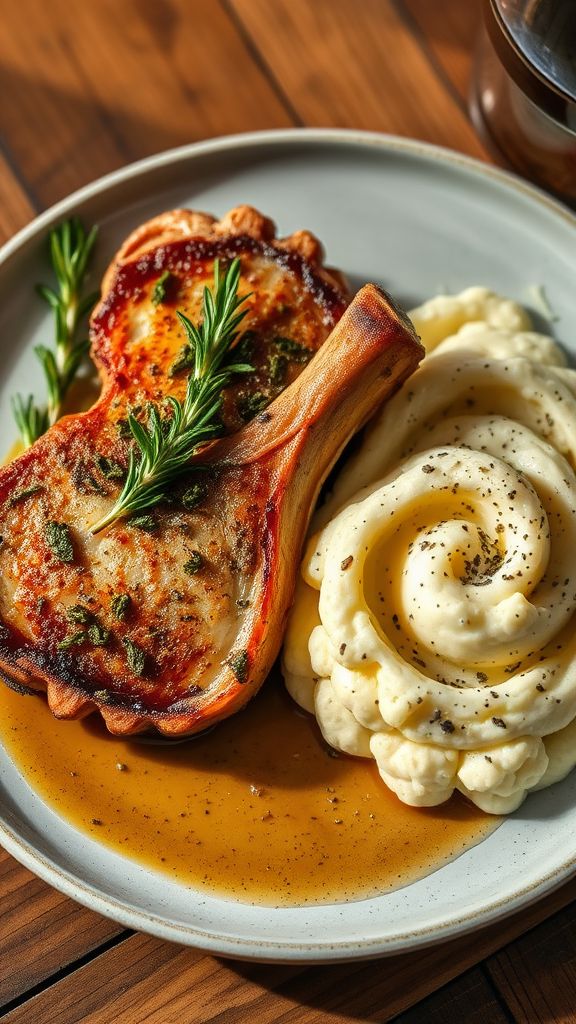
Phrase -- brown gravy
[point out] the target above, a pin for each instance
(258, 810)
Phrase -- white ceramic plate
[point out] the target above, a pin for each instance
(416, 219)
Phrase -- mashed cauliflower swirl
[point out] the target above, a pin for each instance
(433, 627)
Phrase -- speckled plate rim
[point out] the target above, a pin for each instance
(245, 947)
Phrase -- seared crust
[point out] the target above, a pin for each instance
(178, 225)
(192, 641)
(185, 624)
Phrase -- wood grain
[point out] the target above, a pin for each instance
(17, 206)
(91, 87)
(537, 975)
(146, 972)
(355, 65)
(96, 91)
(470, 999)
(41, 931)
(448, 32)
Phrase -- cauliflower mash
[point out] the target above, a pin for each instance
(433, 624)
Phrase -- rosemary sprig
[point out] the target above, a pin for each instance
(166, 445)
(70, 249)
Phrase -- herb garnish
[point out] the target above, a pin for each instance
(240, 663)
(70, 249)
(120, 605)
(74, 640)
(98, 635)
(277, 366)
(59, 540)
(145, 522)
(194, 563)
(250, 405)
(295, 351)
(78, 613)
(109, 468)
(194, 495)
(161, 287)
(135, 657)
(21, 496)
(165, 450)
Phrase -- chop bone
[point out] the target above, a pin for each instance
(262, 483)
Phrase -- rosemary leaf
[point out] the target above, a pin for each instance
(70, 248)
(164, 447)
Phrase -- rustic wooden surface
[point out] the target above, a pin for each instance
(86, 88)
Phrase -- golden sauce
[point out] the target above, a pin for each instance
(258, 809)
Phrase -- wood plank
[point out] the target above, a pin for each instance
(41, 931)
(355, 65)
(91, 97)
(449, 34)
(470, 998)
(144, 972)
(537, 975)
(16, 206)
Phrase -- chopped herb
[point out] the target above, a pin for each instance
(21, 496)
(136, 657)
(144, 522)
(194, 495)
(120, 606)
(277, 366)
(84, 480)
(123, 428)
(194, 563)
(244, 350)
(250, 405)
(77, 613)
(109, 468)
(500, 723)
(73, 640)
(296, 352)
(184, 361)
(240, 663)
(161, 287)
(98, 635)
(59, 540)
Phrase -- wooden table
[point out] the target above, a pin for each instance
(86, 87)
